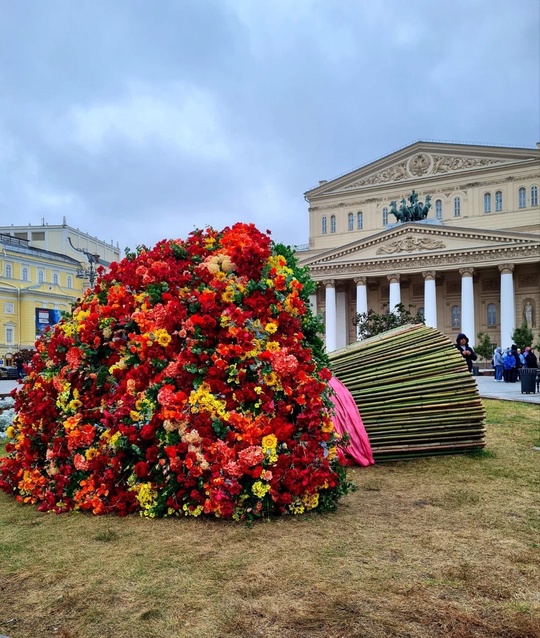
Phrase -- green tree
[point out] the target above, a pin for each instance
(484, 346)
(522, 337)
(371, 323)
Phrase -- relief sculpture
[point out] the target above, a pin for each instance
(410, 244)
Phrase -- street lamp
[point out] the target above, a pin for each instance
(90, 272)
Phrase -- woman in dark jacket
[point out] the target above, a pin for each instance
(530, 358)
(462, 344)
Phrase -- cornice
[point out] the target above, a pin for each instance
(442, 191)
(430, 230)
(485, 257)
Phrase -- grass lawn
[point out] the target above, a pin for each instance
(447, 546)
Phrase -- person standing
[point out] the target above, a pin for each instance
(516, 352)
(467, 352)
(530, 358)
(509, 363)
(498, 364)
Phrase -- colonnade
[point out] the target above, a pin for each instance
(507, 303)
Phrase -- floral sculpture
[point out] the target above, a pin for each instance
(190, 380)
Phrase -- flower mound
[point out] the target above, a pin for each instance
(190, 380)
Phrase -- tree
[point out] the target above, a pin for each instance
(371, 323)
(484, 346)
(522, 337)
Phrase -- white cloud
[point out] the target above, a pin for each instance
(182, 117)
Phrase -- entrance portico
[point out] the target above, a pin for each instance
(457, 289)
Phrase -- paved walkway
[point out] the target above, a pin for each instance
(488, 388)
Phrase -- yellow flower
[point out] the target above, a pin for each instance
(91, 453)
(147, 497)
(228, 295)
(271, 327)
(269, 441)
(327, 426)
(162, 337)
(296, 507)
(260, 489)
(273, 346)
(271, 378)
(10, 432)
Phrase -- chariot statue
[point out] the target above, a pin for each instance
(413, 211)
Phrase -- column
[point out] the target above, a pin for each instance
(395, 291)
(467, 304)
(331, 315)
(361, 296)
(508, 309)
(430, 298)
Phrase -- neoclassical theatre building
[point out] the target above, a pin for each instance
(472, 265)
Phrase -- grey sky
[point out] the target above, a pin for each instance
(139, 120)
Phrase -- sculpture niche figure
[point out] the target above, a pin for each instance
(413, 212)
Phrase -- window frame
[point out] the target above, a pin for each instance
(359, 220)
(534, 195)
(438, 209)
(498, 201)
(491, 315)
(455, 316)
(457, 206)
(522, 197)
(487, 202)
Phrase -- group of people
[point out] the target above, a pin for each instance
(507, 363)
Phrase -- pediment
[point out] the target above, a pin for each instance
(426, 160)
(419, 238)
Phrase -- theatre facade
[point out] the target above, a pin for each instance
(472, 265)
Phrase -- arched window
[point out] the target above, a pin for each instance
(385, 216)
(438, 209)
(498, 201)
(8, 271)
(359, 220)
(55, 278)
(457, 207)
(350, 221)
(534, 195)
(522, 197)
(332, 223)
(487, 202)
(324, 227)
(40, 276)
(456, 316)
(25, 274)
(69, 281)
(491, 315)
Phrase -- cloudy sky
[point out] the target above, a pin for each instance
(139, 120)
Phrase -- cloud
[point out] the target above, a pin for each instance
(178, 115)
(139, 120)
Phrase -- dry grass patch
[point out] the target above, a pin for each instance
(446, 546)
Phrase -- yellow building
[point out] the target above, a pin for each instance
(43, 270)
(471, 266)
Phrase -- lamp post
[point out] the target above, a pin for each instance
(89, 272)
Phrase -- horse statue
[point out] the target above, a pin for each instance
(397, 213)
(413, 212)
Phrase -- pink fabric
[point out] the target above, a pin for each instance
(347, 420)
